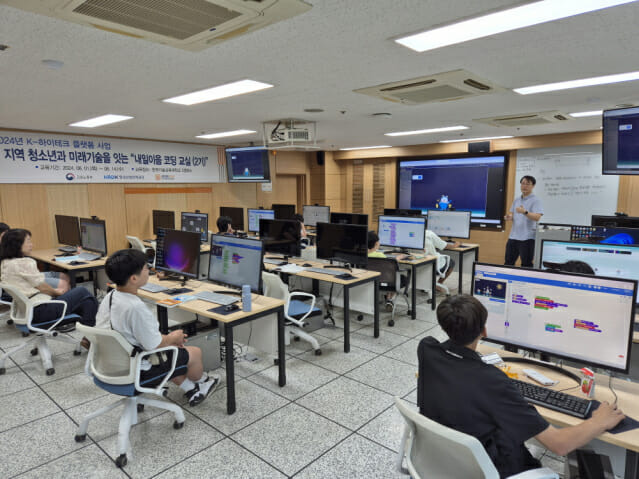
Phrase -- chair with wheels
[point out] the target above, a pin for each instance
(136, 243)
(21, 313)
(441, 273)
(114, 365)
(391, 279)
(7, 302)
(433, 450)
(295, 311)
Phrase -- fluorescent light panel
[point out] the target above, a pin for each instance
(218, 92)
(425, 132)
(504, 21)
(582, 114)
(566, 85)
(365, 147)
(477, 139)
(100, 121)
(224, 134)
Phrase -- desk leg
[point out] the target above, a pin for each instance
(461, 272)
(163, 319)
(281, 347)
(71, 274)
(434, 286)
(413, 299)
(376, 309)
(315, 287)
(94, 276)
(347, 319)
(632, 464)
(230, 369)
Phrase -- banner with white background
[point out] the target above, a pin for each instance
(58, 158)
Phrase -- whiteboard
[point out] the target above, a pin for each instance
(569, 183)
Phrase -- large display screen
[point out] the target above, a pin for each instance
(620, 142)
(247, 165)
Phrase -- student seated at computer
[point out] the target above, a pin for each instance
(224, 225)
(17, 269)
(123, 311)
(373, 252)
(433, 244)
(304, 241)
(457, 389)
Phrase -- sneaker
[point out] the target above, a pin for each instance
(65, 328)
(389, 305)
(201, 390)
(85, 343)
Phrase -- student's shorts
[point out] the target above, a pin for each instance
(154, 376)
(52, 278)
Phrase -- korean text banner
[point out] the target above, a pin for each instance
(54, 158)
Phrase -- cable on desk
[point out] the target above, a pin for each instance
(611, 389)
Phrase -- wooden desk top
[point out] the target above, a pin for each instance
(418, 260)
(360, 274)
(48, 256)
(627, 393)
(197, 306)
(465, 247)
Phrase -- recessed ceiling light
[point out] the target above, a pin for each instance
(224, 134)
(313, 110)
(504, 21)
(218, 92)
(100, 121)
(425, 132)
(565, 85)
(582, 114)
(365, 147)
(477, 139)
(53, 64)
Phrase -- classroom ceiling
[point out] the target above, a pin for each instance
(315, 60)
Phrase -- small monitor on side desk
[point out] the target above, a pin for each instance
(283, 212)
(93, 235)
(236, 214)
(349, 219)
(604, 235)
(196, 223)
(401, 212)
(316, 214)
(450, 224)
(236, 261)
(403, 232)
(281, 236)
(68, 231)
(615, 221)
(163, 219)
(178, 252)
(345, 243)
(586, 319)
(254, 216)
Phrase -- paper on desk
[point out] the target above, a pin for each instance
(67, 259)
(291, 268)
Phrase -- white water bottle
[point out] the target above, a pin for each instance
(246, 298)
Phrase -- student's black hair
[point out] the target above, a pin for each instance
(462, 317)
(12, 241)
(4, 227)
(123, 264)
(223, 223)
(573, 266)
(372, 239)
(298, 217)
(528, 178)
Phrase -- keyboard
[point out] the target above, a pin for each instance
(88, 256)
(572, 405)
(154, 288)
(211, 297)
(331, 272)
(67, 249)
(274, 261)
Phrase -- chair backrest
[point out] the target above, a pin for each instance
(434, 450)
(136, 243)
(388, 268)
(442, 272)
(109, 356)
(20, 305)
(274, 287)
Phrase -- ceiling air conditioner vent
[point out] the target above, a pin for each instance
(187, 24)
(448, 86)
(525, 119)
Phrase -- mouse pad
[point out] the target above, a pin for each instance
(221, 310)
(627, 424)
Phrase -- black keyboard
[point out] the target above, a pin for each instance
(572, 405)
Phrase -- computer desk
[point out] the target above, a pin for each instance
(362, 277)
(48, 257)
(262, 306)
(415, 264)
(462, 253)
(627, 394)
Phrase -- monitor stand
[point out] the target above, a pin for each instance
(542, 364)
(344, 266)
(69, 250)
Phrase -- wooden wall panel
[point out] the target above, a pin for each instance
(70, 200)
(26, 206)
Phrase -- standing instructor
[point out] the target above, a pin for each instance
(525, 212)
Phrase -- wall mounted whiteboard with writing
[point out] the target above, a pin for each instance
(569, 183)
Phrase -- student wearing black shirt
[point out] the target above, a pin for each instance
(224, 225)
(458, 390)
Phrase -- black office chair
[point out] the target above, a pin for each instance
(391, 279)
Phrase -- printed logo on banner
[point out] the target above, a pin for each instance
(70, 177)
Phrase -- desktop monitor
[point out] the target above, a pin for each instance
(236, 214)
(283, 212)
(604, 235)
(196, 223)
(163, 219)
(451, 224)
(316, 214)
(343, 242)
(68, 230)
(615, 221)
(401, 212)
(615, 261)
(178, 252)
(281, 236)
(404, 232)
(254, 217)
(93, 235)
(349, 219)
(583, 318)
(236, 261)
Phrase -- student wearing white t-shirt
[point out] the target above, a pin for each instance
(432, 245)
(123, 311)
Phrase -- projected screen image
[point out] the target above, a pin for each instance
(582, 318)
(254, 218)
(620, 145)
(248, 164)
(178, 252)
(401, 231)
(450, 223)
(470, 184)
(236, 262)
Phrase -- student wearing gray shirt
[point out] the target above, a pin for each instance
(525, 212)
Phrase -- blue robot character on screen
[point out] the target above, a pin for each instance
(444, 203)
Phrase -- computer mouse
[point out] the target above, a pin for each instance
(231, 307)
(307, 265)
